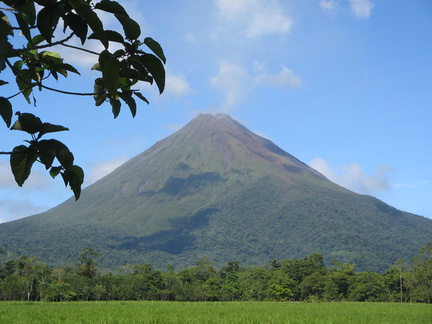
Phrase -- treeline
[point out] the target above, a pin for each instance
(304, 279)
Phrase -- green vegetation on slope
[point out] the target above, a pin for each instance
(216, 190)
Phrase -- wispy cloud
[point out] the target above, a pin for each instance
(37, 179)
(176, 85)
(232, 81)
(17, 202)
(330, 6)
(235, 81)
(412, 184)
(255, 17)
(190, 37)
(362, 8)
(353, 177)
(100, 169)
(286, 77)
(11, 209)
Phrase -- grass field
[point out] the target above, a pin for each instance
(217, 312)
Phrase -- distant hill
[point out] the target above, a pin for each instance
(216, 190)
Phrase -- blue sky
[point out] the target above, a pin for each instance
(345, 86)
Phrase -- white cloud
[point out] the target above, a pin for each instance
(6, 177)
(14, 209)
(412, 185)
(361, 8)
(256, 17)
(37, 179)
(232, 80)
(176, 85)
(321, 166)
(284, 77)
(190, 37)
(353, 177)
(102, 168)
(235, 81)
(330, 6)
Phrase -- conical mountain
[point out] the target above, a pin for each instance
(216, 190)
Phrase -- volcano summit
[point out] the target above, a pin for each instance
(216, 190)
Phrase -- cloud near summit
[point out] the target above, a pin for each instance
(235, 81)
(353, 177)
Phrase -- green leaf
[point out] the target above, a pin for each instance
(35, 41)
(65, 176)
(47, 152)
(54, 171)
(131, 28)
(47, 19)
(137, 63)
(110, 72)
(5, 26)
(76, 179)
(139, 95)
(156, 69)
(119, 52)
(51, 128)
(70, 68)
(96, 67)
(50, 149)
(6, 111)
(5, 31)
(125, 83)
(116, 105)
(126, 72)
(155, 47)
(51, 57)
(21, 162)
(24, 83)
(23, 26)
(91, 18)
(27, 11)
(27, 123)
(77, 25)
(111, 35)
(127, 97)
(99, 92)
(111, 6)
(63, 155)
(2, 82)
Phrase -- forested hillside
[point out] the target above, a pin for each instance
(218, 191)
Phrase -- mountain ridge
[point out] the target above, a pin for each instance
(216, 190)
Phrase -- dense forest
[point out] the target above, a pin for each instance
(303, 279)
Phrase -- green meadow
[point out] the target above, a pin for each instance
(213, 312)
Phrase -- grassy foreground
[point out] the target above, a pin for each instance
(217, 312)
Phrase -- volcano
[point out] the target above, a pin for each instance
(216, 190)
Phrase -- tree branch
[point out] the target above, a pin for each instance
(60, 42)
(80, 49)
(16, 94)
(69, 92)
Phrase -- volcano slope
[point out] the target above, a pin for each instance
(216, 190)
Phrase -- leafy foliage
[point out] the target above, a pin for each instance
(288, 280)
(35, 64)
